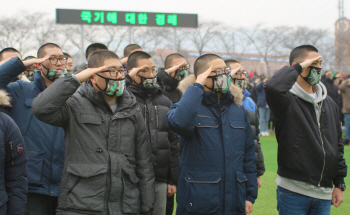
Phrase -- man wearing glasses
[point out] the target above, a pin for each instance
(44, 143)
(108, 167)
(217, 166)
(155, 106)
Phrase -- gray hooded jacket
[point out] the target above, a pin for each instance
(107, 168)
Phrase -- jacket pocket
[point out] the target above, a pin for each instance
(34, 167)
(202, 191)
(241, 192)
(3, 199)
(207, 128)
(87, 186)
(238, 134)
(90, 119)
(206, 122)
(131, 195)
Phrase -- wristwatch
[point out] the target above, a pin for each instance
(340, 186)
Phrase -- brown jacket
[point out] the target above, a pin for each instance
(345, 92)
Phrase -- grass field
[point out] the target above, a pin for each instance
(266, 202)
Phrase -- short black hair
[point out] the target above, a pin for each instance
(227, 62)
(8, 49)
(41, 51)
(300, 52)
(201, 64)
(170, 57)
(98, 58)
(29, 57)
(138, 55)
(67, 55)
(94, 47)
(129, 48)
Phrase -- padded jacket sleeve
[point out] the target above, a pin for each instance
(182, 116)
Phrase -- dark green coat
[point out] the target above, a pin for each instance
(108, 168)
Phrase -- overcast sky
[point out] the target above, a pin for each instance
(237, 13)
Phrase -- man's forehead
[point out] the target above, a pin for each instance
(53, 51)
(311, 55)
(177, 60)
(10, 54)
(217, 63)
(112, 63)
(141, 62)
(234, 65)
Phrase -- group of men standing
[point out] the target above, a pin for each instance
(119, 136)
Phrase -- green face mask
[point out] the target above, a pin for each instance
(53, 75)
(242, 83)
(221, 83)
(114, 87)
(314, 77)
(181, 74)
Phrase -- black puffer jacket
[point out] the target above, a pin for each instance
(170, 86)
(253, 117)
(164, 143)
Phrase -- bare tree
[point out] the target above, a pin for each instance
(266, 41)
(116, 36)
(14, 32)
(203, 35)
(44, 30)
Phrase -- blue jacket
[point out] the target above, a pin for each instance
(44, 143)
(259, 89)
(13, 173)
(217, 169)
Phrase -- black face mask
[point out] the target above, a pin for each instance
(314, 76)
(148, 82)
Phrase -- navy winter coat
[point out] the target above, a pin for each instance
(13, 173)
(217, 164)
(44, 143)
(259, 89)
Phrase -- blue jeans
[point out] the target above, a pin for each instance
(264, 118)
(290, 203)
(347, 125)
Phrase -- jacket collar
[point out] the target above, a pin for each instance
(246, 93)
(235, 92)
(170, 83)
(39, 81)
(144, 92)
(210, 98)
(125, 102)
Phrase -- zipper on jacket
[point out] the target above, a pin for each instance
(157, 116)
(146, 114)
(109, 121)
(324, 155)
(13, 157)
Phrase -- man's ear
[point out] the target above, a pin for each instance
(93, 79)
(39, 66)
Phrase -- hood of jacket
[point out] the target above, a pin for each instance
(191, 79)
(125, 101)
(320, 89)
(321, 93)
(246, 93)
(5, 99)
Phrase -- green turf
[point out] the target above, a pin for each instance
(266, 202)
